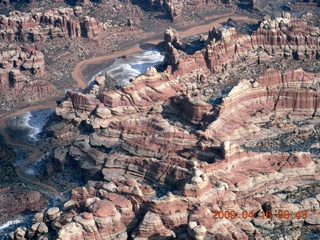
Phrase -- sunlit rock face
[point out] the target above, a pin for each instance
(295, 92)
(172, 150)
(53, 23)
(17, 201)
(17, 64)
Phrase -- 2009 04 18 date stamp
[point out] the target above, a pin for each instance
(281, 214)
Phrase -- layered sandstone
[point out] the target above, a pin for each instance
(152, 228)
(88, 216)
(14, 201)
(176, 10)
(23, 76)
(234, 180)
(156, 93)
(294, 92)
(173, 8)
(169, 159)
(17, 64)
(283, 37)
(53, 23)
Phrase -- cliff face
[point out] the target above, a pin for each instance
(27, 39)
(283, 37)
(173, 8)
(53, 23)
(168, 158)
(294, 93)
(16, 64)
(23, 74)
(13, 201)
(176, 10)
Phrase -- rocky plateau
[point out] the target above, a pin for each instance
(221, 141)
(169, 151)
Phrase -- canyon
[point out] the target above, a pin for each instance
(163, 157)
(229, 123)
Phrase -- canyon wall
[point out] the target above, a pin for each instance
(53, 23)
(168, 158)
(16, 64)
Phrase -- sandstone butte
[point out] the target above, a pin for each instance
(162, 158)
(19, 65)
(53, 23)
(16, 64)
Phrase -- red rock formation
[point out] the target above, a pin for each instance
(173, 8)
(59, 158)
(53, 23)
(33, 60)
(176, 9)
(92, 28)
(284, 37)
(40, 86)
(16, 79)
(80, 103)
(293, 91)
(160, 129)
(84, 2)
(15, 64)
(192, 108)
(100, 218)
(152, 227)
(241, 173)
(167, 170)
(14, 201)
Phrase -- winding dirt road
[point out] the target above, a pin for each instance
(35, 153)
(78, 72)
(78, 76)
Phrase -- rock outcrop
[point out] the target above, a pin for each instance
(295, 92)
(168, 151)
(152, 227)
(16, 65)
(104, 217)
(283, 37)
(15, 201)
(172, 8)
(176, 10)
(53, 23)
(23, 76)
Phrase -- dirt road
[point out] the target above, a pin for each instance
(35, 153)
(78, 76)
(78, 72)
